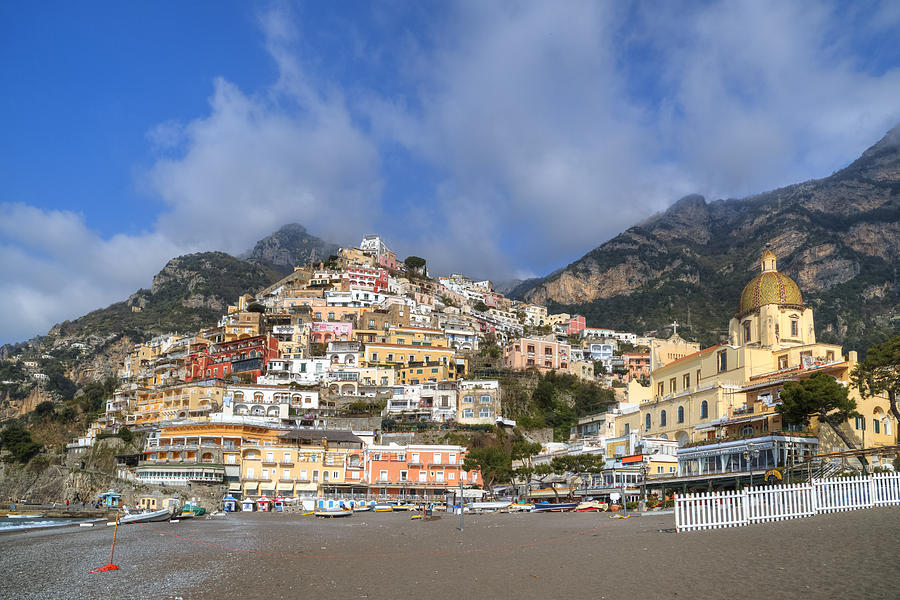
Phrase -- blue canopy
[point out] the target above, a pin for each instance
(230, 497)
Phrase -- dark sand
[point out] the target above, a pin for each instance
(585, 555)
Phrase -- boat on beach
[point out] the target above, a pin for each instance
(24, 515)
(564, 507)
(148, 517)
(383, 508)
(333, 513)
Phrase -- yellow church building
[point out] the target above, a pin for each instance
(730, 391)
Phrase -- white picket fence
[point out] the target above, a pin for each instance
(713, 510)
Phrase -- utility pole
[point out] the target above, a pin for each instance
(461, 504)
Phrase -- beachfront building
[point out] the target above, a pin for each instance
(304, 462)
(417, 471)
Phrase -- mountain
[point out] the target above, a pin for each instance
(288, 247)
(837, 237)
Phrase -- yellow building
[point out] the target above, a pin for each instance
(732, 390)
(304, 462)
(179, 401)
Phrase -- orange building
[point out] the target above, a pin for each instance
(417, 471)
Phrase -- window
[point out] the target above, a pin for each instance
(697, 378)
(315, 475)
(437, 458)
(485, 412)
(681, 414)
(468, 399)
(468, 413)
(672, 385)
(723, 361)
(414, 458)
(647, 421)
(660, 389)
(876, 425)
(627, 428)
(860, 423)
(374, 356)
(782, 362)
(485, 399)
(404, 475)
(452, 458)
(686, 381)
(330, 315)
(662, 419)
(704, 410)
(748, 430)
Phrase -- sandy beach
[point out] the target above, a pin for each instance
(586, 555)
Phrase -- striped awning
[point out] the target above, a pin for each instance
(234, 486)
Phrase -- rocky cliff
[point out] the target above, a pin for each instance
(288, 247)
(838, 237)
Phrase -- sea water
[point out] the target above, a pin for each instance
(7, 524)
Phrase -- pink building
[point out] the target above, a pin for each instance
(540, 354)
(576, 325)
(388, 260)
(330, 331)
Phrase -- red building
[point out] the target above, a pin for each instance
(246, 356)
(576, 325)
(377, 279)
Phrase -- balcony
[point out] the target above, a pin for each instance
(285, 463)
(269, 463)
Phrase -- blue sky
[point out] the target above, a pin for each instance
(502, 139)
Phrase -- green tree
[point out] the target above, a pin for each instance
(879, 374)
(494, 462)
(414, 263)
(480, 306)
(17, 440)
(820, 396)
(126, 435)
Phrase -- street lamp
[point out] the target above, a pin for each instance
(751, 454)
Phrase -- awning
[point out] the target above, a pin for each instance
(234, 486)
(284, 486)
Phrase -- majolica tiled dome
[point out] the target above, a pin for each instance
(769, 287)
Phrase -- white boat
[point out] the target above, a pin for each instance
(333, 513)
(488, 506)
(147, 517)
(383, 508)
(26, 516)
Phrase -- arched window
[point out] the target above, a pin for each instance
(681, 414)
(647, 421)
(747, 430)
(704, 410)
(662, 419)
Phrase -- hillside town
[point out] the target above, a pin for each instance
(363, 378)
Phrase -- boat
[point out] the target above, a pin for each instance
(487, 506)
(404, 506)
(547, 507)
(591, 507)
(362, 508)
(383, 508)
(147, 517)
(333, 513)
(25, 515)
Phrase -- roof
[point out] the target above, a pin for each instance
(313, 435)
(769, 287)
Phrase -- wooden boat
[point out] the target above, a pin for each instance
(539, 507)
(404, 507)
(362, 508)
(383, 508)
(333, 513)
(148, 517)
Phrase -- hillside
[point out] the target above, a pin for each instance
(838, 237)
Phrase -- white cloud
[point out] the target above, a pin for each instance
(547, 128)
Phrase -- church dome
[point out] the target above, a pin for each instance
(769, 287)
